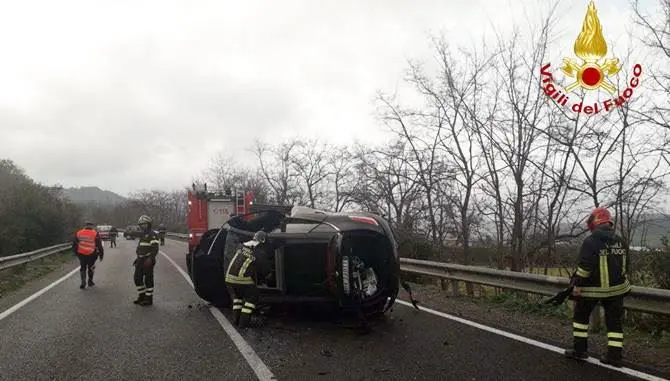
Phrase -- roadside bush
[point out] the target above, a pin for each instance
(31, 215)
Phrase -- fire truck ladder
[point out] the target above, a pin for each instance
(239, 200)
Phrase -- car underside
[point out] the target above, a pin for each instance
(331, 259)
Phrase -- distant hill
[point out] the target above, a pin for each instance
(94, 195)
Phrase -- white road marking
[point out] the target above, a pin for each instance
(539, 344)
(34, 296)
(257, 365)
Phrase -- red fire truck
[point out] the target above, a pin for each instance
(209, 210)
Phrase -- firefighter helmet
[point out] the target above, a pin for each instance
(260, 236)
(599, 216)
(144, 219)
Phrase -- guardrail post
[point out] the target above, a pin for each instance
(469, 289)
(455, 288)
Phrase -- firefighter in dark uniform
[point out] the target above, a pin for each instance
(87, 246)
(600, 278)
(147, 250)
(113, 233)
(161, 233)
(249, 264)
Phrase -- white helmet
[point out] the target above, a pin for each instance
(259, 238)
(144, 219)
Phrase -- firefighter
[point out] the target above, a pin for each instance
(161, 233)
(249, 264)
(87, 246)
(113, 233)
(147, 250)
(600, 278)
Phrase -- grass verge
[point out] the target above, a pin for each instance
(14, 278)
(653, 330)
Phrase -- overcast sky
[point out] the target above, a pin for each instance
(141, 94)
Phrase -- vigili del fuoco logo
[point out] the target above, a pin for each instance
(593, 73)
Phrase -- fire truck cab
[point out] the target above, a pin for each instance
(210, 210)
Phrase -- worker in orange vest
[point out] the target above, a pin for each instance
(87, 246)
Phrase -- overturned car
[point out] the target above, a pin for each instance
(346, 260)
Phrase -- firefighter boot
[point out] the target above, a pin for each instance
(613, 361)
(245, 319)
(245, 316)
(147, 301)
(140, 298)
(576, 355)
(148, 297)
(237, 308)
(613, 357)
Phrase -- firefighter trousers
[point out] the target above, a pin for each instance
(87, 264)
(613, 321)
(144, 277)
(245, 300)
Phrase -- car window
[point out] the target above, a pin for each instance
(298, 226)
(232, 242)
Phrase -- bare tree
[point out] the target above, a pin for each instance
(342, 182)
(280, 175)
(310, 165)
(423, 158)
(518, 121)
(388, 186)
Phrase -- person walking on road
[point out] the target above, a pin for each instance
(87, 246)
(147, 250)
(113, 233)
(249, 264)
(600, 278)
(162, 230)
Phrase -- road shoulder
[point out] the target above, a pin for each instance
(54, 272)
(643, 352)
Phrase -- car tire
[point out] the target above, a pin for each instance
(208, 279)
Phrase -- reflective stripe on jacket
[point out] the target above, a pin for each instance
(601, 272)
(148, 245)
(240, 270)
(86, 241)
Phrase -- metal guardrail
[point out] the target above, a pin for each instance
(19, 259)
(177, 235)
(642, 299)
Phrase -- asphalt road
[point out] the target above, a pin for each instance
(99, 334)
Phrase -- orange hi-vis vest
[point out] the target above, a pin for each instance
(86, 238)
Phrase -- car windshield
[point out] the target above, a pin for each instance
(102, 228)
